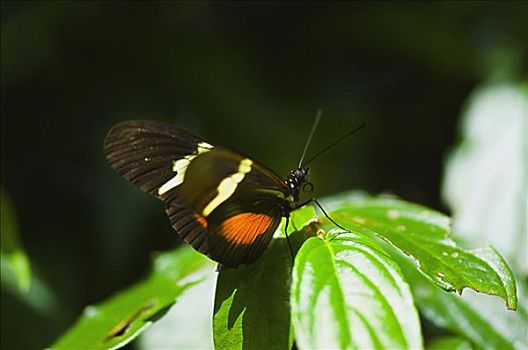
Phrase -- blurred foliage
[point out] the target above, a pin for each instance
(187, 325)
(116, 322)
(486, 185)
(245, 75)
(16, 270)
(486, 176)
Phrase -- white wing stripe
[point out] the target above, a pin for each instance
(180, 167)
(227, 186)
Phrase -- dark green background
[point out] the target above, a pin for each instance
(245, 75)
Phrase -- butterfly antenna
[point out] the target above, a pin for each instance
(318, 115)
(336, 142)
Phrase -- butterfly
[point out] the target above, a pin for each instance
(221, 202)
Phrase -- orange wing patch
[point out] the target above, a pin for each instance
(201, 220)
(246, 227)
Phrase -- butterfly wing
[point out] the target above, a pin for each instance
(143, 151)
(230, 236)
(221, 202)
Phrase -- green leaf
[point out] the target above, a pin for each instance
(301, 219)
(486, 175)
(348, 293)
(425, 235)
(252, 303)
(451, 343)
(117, 321)
(497, 328)
(16, 270)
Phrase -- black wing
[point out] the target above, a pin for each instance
(143, 151)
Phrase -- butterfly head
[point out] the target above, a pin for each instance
(298, 180)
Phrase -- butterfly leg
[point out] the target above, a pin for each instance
(288, 238)
(328, 216)
(324, 212)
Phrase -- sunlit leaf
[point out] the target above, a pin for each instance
(118, 320)
(425, 235)
(348, 293)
